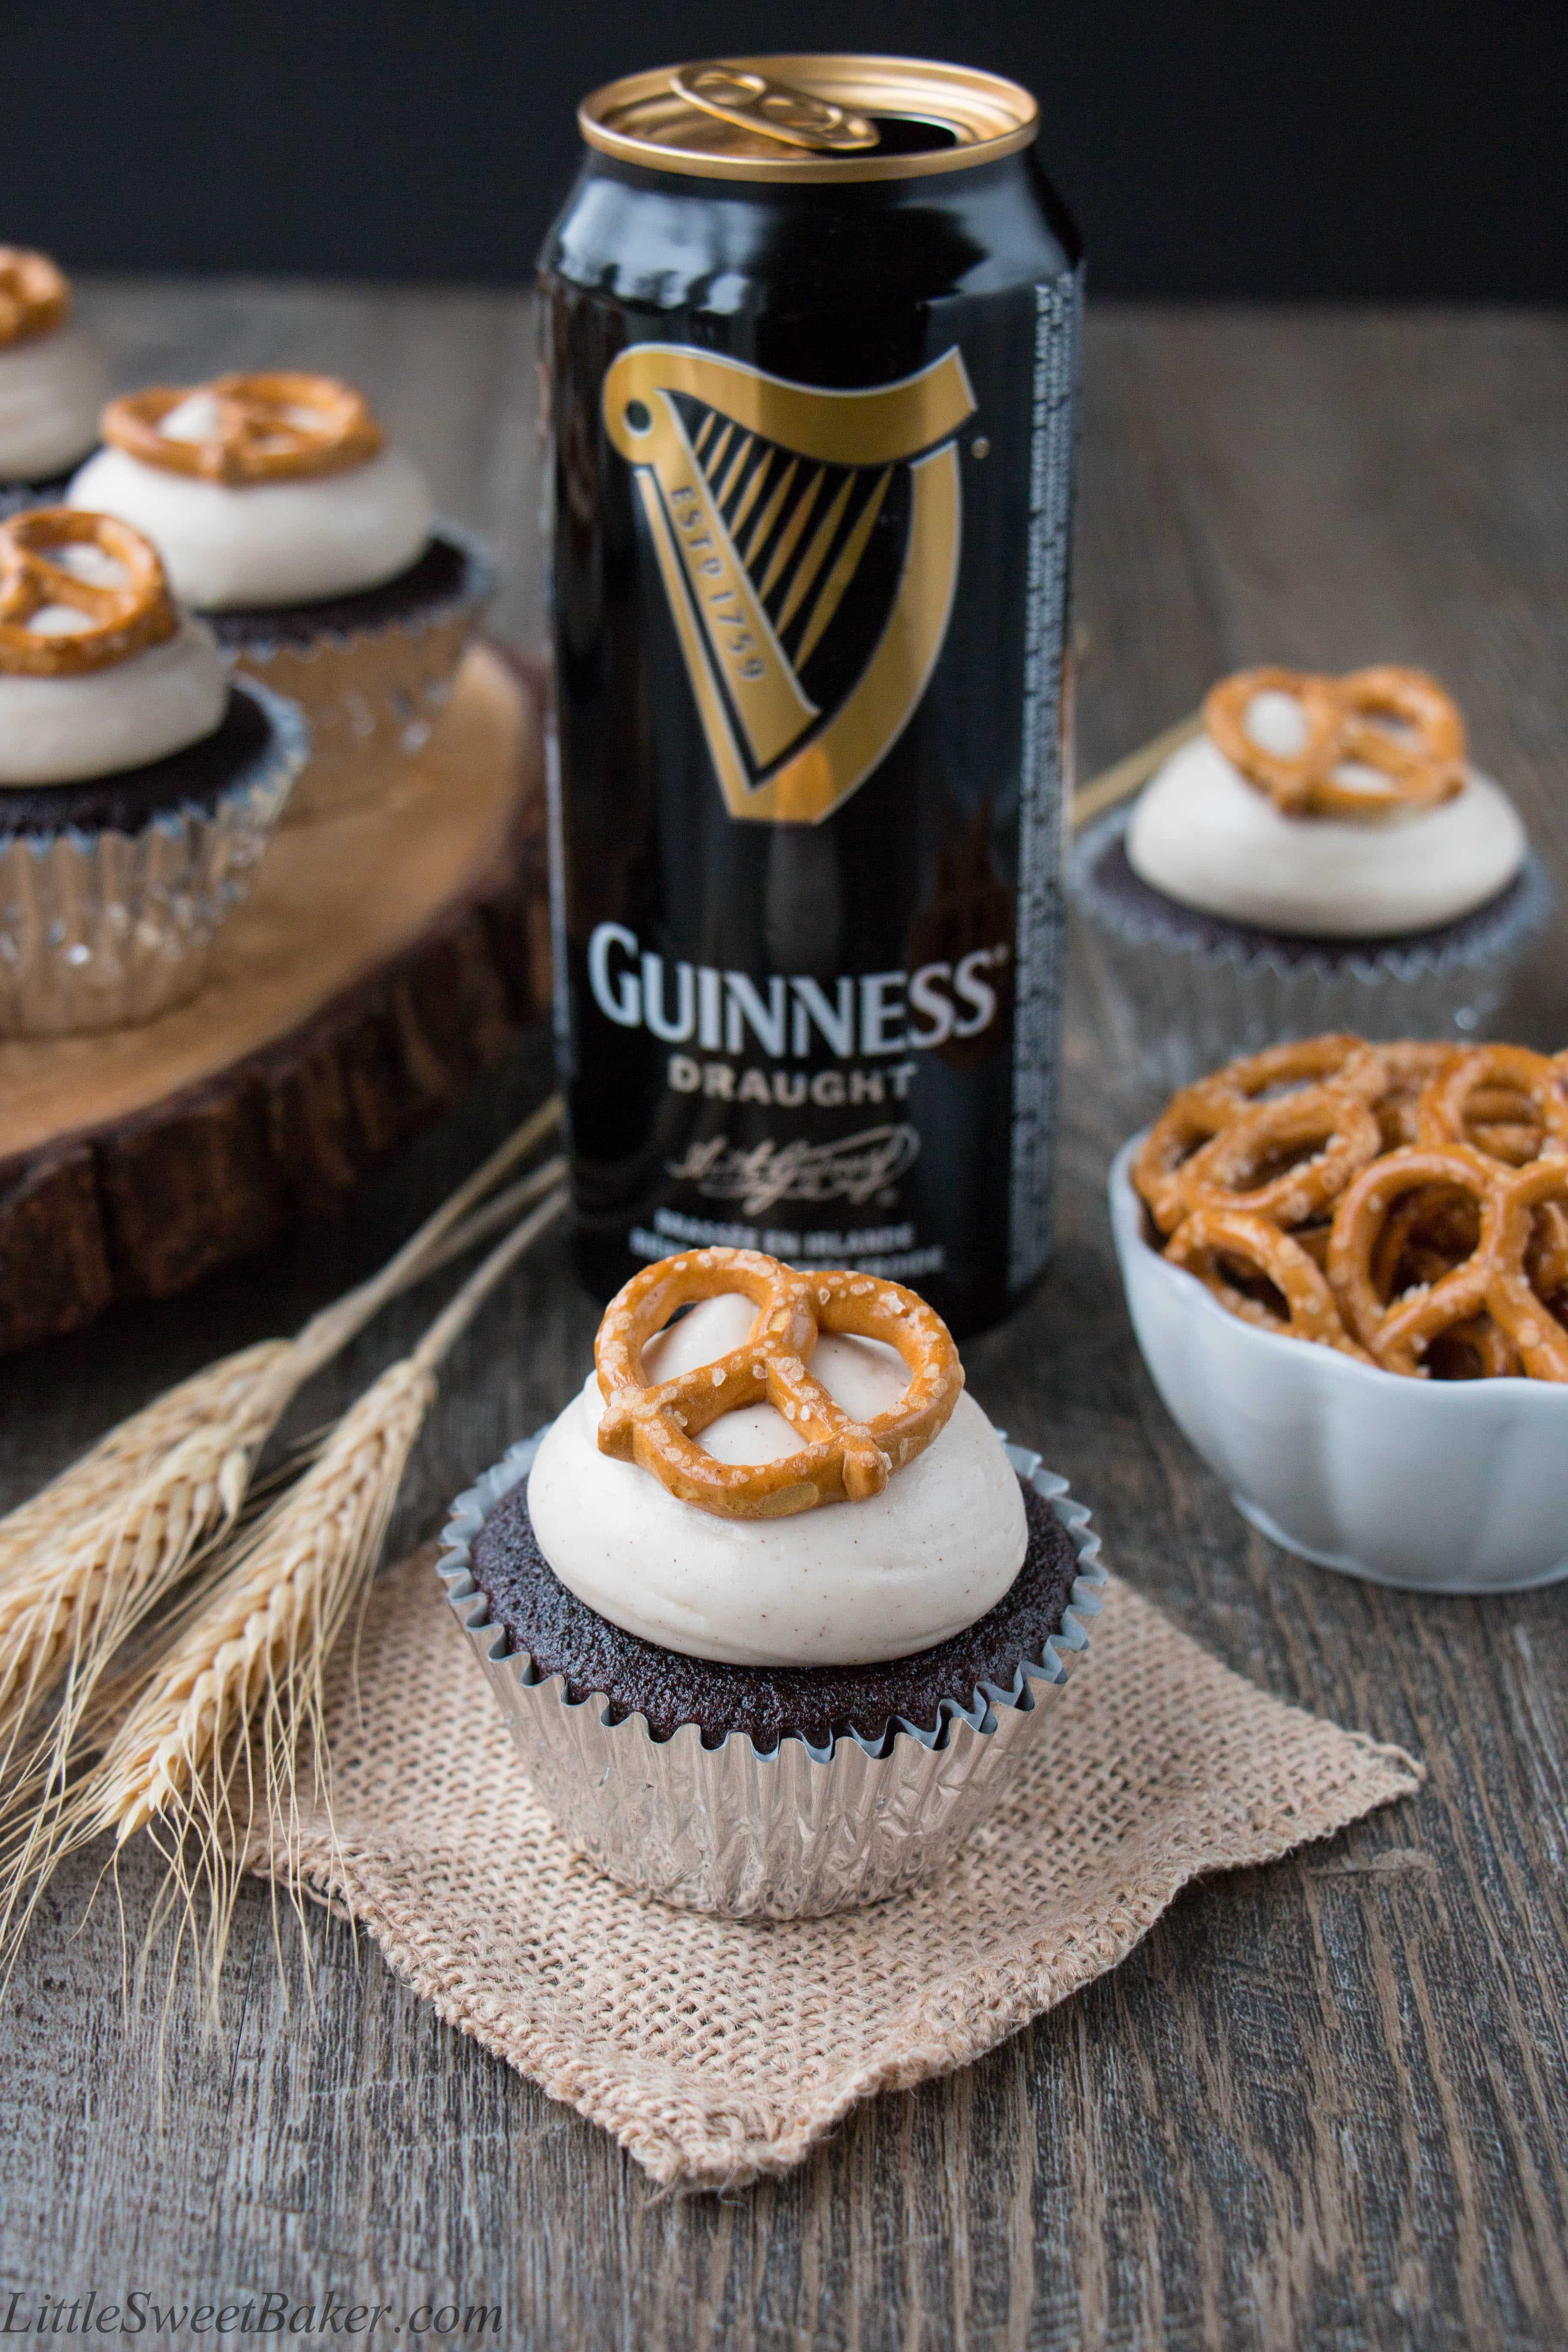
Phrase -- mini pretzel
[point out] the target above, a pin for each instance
(844, 1460)
(1229, 1172)
(1535, 1083)
(1541, 1339)
(1419, 758)
(121, 620)
(35, 296)
(1198, 1112)
(260, 435)
(1547, 1261)
(1335, 1059)
(1408, 1067)
(1206, 1240)
(1289, 778)
(1359, 1223)
(1427, 1234)
(1492, 1280)
(1424, 765)
(1189, 1120)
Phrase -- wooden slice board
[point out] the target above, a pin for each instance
(385, 958)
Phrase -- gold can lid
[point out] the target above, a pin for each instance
(809, 118)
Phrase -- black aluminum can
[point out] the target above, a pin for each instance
(810, 328)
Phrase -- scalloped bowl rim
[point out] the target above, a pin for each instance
(1456, 1396)
(1437, 1486)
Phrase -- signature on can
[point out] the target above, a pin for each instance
(857, 1168)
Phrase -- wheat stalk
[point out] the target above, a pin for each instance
(89, 1559)
(215, 1743)
(90, 1573)
(259, 1645)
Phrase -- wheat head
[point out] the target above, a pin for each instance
(108, 1470)
(86, 1555)
(222, 1717)
(210, 1753)
(84, 1562)
(264, 1631)
(178, 1472)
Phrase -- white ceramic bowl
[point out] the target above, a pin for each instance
(1444, 1486)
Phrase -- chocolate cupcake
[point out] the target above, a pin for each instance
(753, 1673)
(137, 783)
(54, 380)
(284, 516)
(1320, 857)
(767, 1703)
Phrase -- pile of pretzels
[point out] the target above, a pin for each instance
(1406, 1203)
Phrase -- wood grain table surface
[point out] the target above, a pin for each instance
(1322, 2104)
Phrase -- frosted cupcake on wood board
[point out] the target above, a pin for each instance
(1321, 856)
(310, 543)
(139, 782)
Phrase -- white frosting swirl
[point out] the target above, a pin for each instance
(65, 731)
(1205, 836)
(843, 1585)
(264, 544)
(52, 391)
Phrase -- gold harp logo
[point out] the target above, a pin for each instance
(809, 634)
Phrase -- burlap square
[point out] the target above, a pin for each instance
(716, 2051)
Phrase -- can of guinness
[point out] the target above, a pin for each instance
(810, 332)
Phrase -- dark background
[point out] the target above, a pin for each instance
(1211, 148)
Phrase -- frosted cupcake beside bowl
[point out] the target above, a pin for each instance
(54, 380)
(770, 1638)
(1322, 855)
(308, 541)
(139, 783)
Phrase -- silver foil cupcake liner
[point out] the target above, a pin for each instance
(378, 689)
(99, 929)
(791, 1833)
(1179, 1007)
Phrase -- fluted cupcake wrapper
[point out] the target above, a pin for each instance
(790, 1833)
(1180, 1006)
(373, 693)
(101, 928)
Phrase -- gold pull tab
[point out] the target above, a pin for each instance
(750, 102)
